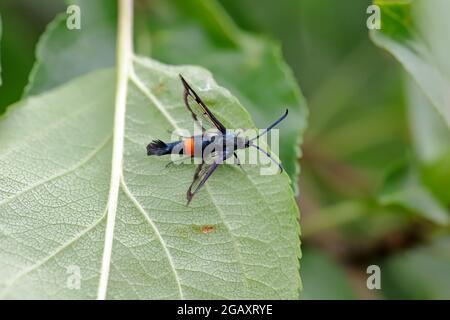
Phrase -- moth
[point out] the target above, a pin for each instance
(215, 145)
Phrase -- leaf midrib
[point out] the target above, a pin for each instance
(124, 63)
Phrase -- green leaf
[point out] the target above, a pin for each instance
(419, 273)
(436, 177)
(200, 32)
(18, 40)
(55, 178)
(432, 143)
(64, 54)
(429, 131)
(417, 34)
(403, 187)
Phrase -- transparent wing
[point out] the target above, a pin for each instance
(198, 109)
(203, 172)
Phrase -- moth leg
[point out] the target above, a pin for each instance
(238, 162)
(172, 162)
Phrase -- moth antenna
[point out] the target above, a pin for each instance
(272, 125)
(268, 156)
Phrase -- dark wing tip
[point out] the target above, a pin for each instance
(185, 83)
(189, 197)
(287, 111)
(281, 168)
(182, 78)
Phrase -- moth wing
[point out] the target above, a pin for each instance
(198, 109)
(202, 173)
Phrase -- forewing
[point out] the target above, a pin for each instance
(198, 109)
(203, 172)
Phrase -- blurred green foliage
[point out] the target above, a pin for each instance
(325, 278)
(419, 273)
(23, 22)
(360, 129)
(0, 50)
(64, 54)
(376, 156)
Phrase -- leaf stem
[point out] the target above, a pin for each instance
(124, 58)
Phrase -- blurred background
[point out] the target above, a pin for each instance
(356, 152)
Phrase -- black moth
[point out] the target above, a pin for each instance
(215, 148)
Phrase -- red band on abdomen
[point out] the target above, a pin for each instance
(189, 146)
